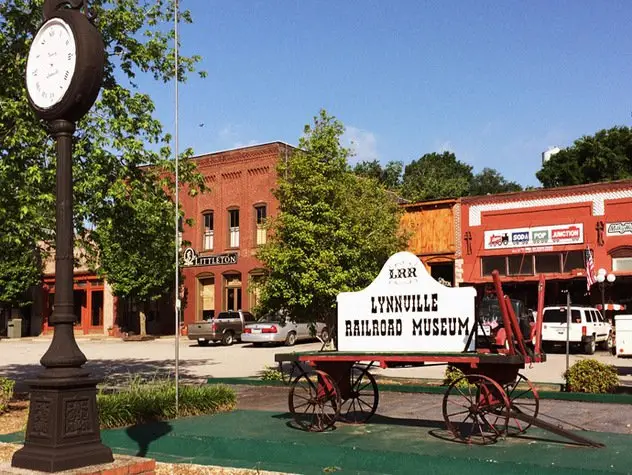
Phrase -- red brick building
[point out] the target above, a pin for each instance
(219, 266)
(548, 231)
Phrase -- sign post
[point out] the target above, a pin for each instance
(568, 326)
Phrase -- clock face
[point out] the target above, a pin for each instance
(51, 63)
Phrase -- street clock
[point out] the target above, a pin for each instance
(65, 65)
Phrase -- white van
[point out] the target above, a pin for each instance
(588, 328)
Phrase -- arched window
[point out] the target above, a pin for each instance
(254, 290)
(621, 258)
(232, 291)
(206, 297)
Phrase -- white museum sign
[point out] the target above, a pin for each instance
(405, 310)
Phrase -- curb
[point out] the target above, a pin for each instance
(430, 389)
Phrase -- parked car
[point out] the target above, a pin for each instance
(226, 327)
(276, 328)
(587, 329)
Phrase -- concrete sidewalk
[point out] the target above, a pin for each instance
(266, 440)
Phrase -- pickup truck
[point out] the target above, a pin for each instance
(225, 327)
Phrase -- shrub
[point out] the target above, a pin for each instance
(271, 374)
(452, 374)
(143, 402)
(591, 376)
(6, 393)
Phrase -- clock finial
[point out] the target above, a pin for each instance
(52, 6)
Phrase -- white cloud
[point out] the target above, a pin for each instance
(231, 136)
(362, 143)
(245, 144)
(446, 147)
(228, 132)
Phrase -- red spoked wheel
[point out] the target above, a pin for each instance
(476, 409)
(314, 401)
(363, 398)
(524, 399)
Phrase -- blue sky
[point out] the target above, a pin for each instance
(496, 82)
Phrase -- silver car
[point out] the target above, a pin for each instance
(276, 328)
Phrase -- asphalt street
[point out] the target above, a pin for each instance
(113, 358)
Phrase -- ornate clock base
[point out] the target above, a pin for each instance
(63, 427)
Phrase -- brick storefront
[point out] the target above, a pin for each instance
(220, 265)
(547, 231)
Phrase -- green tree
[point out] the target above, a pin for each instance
(489, 182)
(136, 245)
(334, 230)
(119, 147)
(389, 176)
(436, 176)
(605, 156)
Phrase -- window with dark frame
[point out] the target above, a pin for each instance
(233, 227)
(208, 231)
(491, 263)
(531, 264)
(520, 264)
(549, 263)
(572, 260)
(261, 215)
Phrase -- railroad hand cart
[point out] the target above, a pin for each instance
(491, 400)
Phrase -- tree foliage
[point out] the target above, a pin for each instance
(334, 230)
(605, 156)
(442, 175)
(389, 176)
(435, 176)
(121, 165)
(489, 182)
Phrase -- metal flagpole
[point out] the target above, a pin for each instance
(177, 304)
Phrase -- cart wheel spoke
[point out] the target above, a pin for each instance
(452, 414)
(524, 399)
(468, 398)
(363, 399)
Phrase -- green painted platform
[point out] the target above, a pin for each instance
(266, 441)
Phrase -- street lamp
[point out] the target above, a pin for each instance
(602, 277)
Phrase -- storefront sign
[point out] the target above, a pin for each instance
(404, 309)
(190, 258)
(536, 236)
(619, 229)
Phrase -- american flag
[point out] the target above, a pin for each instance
(590, 268)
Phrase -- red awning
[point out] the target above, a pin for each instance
(611, 306)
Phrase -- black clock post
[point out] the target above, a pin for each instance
(63, 427)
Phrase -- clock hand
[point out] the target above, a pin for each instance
(52, 74)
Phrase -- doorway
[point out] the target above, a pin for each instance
(443, 272)
(206, 302)
(232, 291)
(80, 302)
(96, 311)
